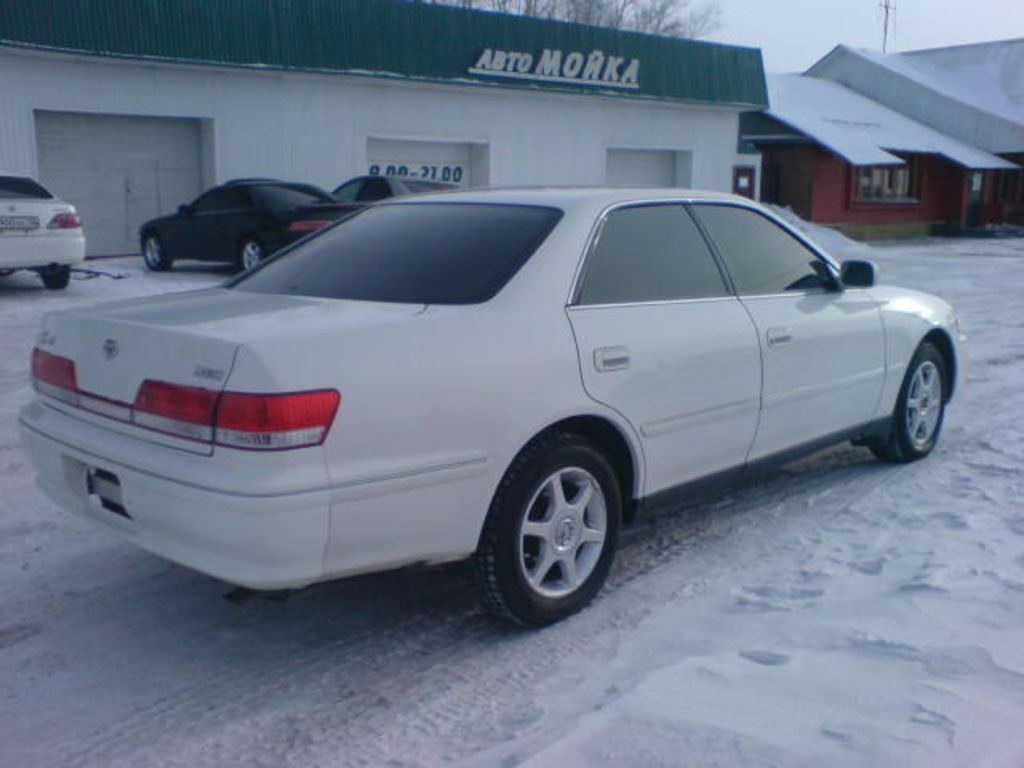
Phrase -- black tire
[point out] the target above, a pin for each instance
(56, 277)
(905, 443)
(251, 252)
(154, 255)
(506, 553)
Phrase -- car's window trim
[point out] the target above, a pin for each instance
(595, 235)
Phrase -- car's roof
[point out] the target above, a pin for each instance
(573, 196)
(255, 180)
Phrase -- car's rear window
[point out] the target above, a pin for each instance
(19, 187)
(436, 253)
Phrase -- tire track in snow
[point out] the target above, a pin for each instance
(348, 686)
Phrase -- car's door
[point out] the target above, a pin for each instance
(823, 348)
(236, 215)
(663, 342)
(197, 232)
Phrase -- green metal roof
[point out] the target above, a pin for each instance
(390, 38)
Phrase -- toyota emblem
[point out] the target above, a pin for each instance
(110, 348)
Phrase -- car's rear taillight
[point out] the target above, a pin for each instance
(309, 225)
(252, 421)
(55, 376)
(236, 419)
(65, 220)
(275, 422)
(175, 409)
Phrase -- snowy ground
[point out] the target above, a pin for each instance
(842, 612)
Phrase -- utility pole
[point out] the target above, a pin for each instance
(889, 11)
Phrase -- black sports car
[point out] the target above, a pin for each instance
(242, 222)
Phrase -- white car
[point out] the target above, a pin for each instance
(507, 375)
(38, 232)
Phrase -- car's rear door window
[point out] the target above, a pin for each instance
(436, 253)
(22, 188)
(649, 253)
(761, 257)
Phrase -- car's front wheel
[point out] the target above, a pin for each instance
(550, 533)
(920, 408)
(153, 253)
(56, 277)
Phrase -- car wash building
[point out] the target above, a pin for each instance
(127, 109)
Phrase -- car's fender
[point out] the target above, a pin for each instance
(908, 316)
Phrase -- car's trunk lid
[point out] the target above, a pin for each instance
(188, 339)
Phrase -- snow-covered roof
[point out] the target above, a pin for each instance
(861, 130)
(972, 92)
(987, 76)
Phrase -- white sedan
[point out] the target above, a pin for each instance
(38, 232)
(503, 375)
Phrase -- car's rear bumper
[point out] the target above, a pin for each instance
(40, 250)
(259, 541)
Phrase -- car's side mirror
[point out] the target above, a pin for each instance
(185, 209)
(858, 274)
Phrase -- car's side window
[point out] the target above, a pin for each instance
(223, 199)
(761, 257)
(348, 192)
(375, 188)
(649, 253)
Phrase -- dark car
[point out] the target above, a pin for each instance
(241, 222)
(367, 189)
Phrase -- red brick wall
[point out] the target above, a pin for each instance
(941, 188)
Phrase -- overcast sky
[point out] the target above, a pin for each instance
(793, 34)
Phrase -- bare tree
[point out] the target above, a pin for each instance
(676, 18)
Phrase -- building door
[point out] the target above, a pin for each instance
(446, 161)
(118, 171)
(975, 185)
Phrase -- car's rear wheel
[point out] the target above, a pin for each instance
(550, 533)
(920, 408)
(56, 277)
(250, 252)
(153, 253)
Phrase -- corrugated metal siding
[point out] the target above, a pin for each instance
(372, 36)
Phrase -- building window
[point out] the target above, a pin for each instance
(1011, 187)
(888, 184)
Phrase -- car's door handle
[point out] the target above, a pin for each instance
(779, 335)
(611, 358)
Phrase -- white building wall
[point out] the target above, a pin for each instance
(315, 128)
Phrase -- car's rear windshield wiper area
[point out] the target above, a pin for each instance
(419, 253)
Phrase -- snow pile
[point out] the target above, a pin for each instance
(840, 612)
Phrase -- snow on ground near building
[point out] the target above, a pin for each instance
(840, 612)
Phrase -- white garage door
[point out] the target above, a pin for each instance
(641, 168)
(118, 171)
(452, 162)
